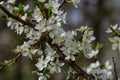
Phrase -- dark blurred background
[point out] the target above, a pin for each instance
(99, 14)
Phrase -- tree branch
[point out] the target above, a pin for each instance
(79, 71)
(62, 3)
(116, 76)
(10, 61)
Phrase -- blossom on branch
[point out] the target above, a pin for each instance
(52, 45)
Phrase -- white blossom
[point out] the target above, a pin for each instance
(26, 7)
(43, 76)
(37, 15)
(75, 2)
(11, 1)
(69, 72)
(100, 73)
(82, 28)
(50, 53)
(67, 41)
(112, 26)
(56, 66)
(33, 35)
(93, 66)
(42, 63)
(88, 36)
(116, 42)
(93, 53)
(42, 0)
(1, 2)
(53, 5)
(70, 55)
(24, 17)
(55, 34)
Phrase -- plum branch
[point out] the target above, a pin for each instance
(71, 63)
(10, 61)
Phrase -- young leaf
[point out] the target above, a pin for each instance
(29, 12)
(3, 16)
(11, 64)
(20, 6)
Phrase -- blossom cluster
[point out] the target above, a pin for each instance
(47, 31)
(102, 72)
(115, 37)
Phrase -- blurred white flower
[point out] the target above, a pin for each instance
(37, 15)
(93, 66)
(11, 1)
(88, 36)
(56, 66)
(41, 0)
(93, 53)
(26, 7)
(75, 2)
(1, 2)
(116, 42)
(43, 76)
(50, 53)
(70, 55)
(103, 73)
(69, 73)
(24, 17)
(82, 28)
(42, 63)
(53, 5)
(112, 26)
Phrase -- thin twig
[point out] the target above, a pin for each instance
(62, 3)
(115, 71)
(115, 32)
(31, 24)
(10, 61)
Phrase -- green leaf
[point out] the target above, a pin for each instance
(98, 46)
(20, 6)
(6, 61)
(29, 12)
(15, 51)
(11, 64)
(38, 4)
(49, 12)
(89, 29)
(69, 0)
(3, 16)
(33, 72)
(45, 71)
